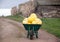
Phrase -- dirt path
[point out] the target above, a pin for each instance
(12, 31)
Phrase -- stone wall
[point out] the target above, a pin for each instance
(14, 10)
(27, 8)
(48, 11)
(47, 8)
(48, 2)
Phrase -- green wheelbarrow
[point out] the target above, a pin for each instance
(32, 30)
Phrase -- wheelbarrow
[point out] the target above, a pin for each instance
(32, 29)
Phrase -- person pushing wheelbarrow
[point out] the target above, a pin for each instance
(32, 24)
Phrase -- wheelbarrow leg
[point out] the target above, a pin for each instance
(28, 34)
(31, 34)
(36, 34)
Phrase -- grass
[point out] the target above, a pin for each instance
(51, 25)
(18, 18)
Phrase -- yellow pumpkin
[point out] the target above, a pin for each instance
(25, 21)
(32, 17)
(34, 22)
(38, 21)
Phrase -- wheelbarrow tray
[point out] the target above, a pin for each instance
(34, 27)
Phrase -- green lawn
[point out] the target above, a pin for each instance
(51, 25)
(16, 18)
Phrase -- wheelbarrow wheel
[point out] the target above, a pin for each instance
(31, 37)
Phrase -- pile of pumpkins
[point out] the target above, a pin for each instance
(32, 19)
